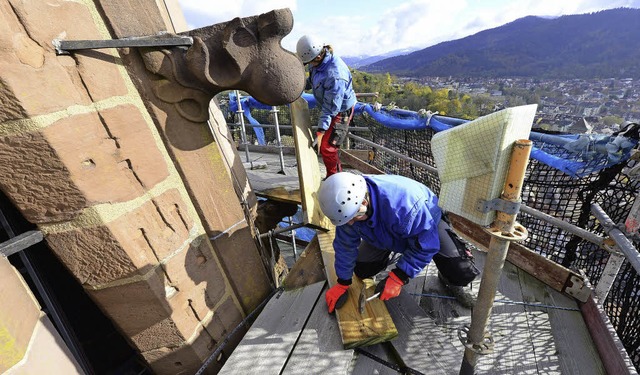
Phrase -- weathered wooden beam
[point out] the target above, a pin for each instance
(549, 272)
(20, 242)
(612, 353)
(347, 157)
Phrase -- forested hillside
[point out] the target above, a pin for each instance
(595, 45)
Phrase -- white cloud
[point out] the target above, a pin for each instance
(201, 13)
(379, 26)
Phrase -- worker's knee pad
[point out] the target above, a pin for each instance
(369, 269)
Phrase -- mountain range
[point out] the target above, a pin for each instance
(595, 45)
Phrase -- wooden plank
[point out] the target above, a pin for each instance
(420, 342)
(613, 354)
(20, 242)
(543, 269)
(265, 347)
(281, 194)
(374, 325)
(574, 348)
(308, 269)
(319, 348)
(511, 329)
(348, 158)
(308, 167)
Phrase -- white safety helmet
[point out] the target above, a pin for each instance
(341, 195)
(308, 48)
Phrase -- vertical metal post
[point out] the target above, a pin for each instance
(274, 110)
(503, 230)
(243, 131)
(293, 240)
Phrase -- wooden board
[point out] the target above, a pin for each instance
(281, 194)
(511, 328)
(265, 347)
(420, 342)
(319, 348)
(575, 352)
(308, 167)
(308, 269)
(543, 269)
(347, 157)
(374, 325)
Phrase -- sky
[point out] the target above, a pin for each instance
(375, 27)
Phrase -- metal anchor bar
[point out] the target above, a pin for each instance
(63, 47)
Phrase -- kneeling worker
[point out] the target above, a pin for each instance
(376, 215)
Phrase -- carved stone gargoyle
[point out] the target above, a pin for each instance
(243, 54)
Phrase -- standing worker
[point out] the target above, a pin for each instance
(330, 80)
(376, 215)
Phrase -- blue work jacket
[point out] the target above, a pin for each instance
(332, 88)
(404, 220)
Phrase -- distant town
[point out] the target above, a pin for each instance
(568, 106)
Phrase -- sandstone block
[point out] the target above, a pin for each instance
(142, 311)
(188, 358)
(127, 247)
(198, 277)
(241, 254)
(36, 180)
(112, 157)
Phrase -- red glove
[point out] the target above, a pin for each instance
(336, 296)
(390, 286)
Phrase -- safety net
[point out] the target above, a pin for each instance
(567, 173)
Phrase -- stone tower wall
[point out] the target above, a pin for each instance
(137, 203)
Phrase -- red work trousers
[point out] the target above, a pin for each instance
(332, 140)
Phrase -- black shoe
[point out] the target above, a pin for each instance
(462, 293)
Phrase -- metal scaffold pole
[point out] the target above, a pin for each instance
(243, 131)
(503, 230)
(274, 110)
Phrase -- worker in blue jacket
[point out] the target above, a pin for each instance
(380, 215)
(331, 83)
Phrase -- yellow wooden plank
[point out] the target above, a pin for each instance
(375, 325)
(308, 167)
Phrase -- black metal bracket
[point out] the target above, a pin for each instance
(65, 47)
